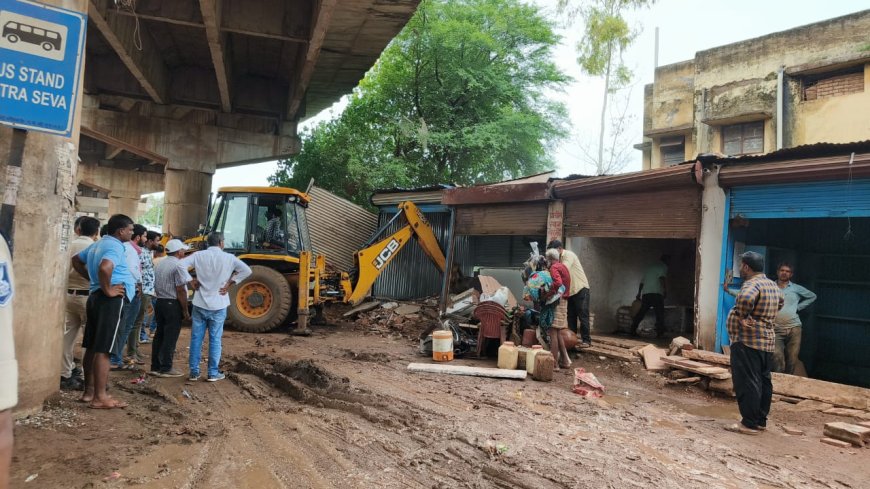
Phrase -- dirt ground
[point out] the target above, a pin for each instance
(339, 409)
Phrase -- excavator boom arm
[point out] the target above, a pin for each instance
(374, 259)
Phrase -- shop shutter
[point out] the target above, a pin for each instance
(840, 198)
(666, 213)
(507, 219)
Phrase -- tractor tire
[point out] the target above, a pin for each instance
(261, 303)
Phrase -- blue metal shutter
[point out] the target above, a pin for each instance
(840, 198)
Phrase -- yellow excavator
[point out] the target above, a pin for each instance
(266, 228)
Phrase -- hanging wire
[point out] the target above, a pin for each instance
(130, 5)
(849, 235)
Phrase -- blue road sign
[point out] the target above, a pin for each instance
(41, 50)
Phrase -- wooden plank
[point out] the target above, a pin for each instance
(852, 433)
(697, 367)
(836, 443)
(616, 354)
(652, 358)
(707, 356)
(626, 343)
(808, 405)
(843, 412)
(688, 380)
(465, 370)
(837, 394)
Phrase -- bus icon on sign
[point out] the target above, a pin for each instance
(32, 36)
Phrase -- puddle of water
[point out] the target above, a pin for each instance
(615, 400)
(727, 411)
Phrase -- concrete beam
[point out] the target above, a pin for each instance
(124, 146)
(305, 68)
(113, 151)
(212, 10)
(143, 60)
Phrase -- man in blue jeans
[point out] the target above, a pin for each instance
(216, 271)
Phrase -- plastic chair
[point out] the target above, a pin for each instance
(492, 317)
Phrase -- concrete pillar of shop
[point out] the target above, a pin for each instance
(709, 257)
(42, 234)
(129, 206)
(185, 201)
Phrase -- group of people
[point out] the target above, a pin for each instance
(559, 291)
(117, 289)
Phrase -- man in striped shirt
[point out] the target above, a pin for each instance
(750, 328)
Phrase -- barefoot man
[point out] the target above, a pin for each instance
(112, 287)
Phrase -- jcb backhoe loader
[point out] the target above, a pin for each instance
(267, 229)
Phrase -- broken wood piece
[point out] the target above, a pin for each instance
(839, 395)
(697, 367)
(852, 433)
(808, 405)
(678, 374)
(843, 411)
(688, 380)
(465, 370)
(836, 443)
(615, 353)
(368, 306)
(707, 356)
(626, 343)
(652, 358)
(679, 343)
(790, 400)
(792, 431)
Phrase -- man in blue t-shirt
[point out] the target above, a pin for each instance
(112, 286)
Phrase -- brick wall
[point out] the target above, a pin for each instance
(834, 86)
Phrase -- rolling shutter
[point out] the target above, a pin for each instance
(506, 219)
(666, 213)
(840, 198)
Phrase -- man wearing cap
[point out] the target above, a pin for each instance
(170, 287)
(751, 331)
(216, 272)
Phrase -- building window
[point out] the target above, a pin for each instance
(673, 150)
(834, 84)
(742, 139)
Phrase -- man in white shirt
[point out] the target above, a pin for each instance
(77, 292)
(216, 271)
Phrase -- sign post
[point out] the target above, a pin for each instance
(41, 52)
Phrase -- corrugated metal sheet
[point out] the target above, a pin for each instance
(674, 176)
(416, 196)
(808, 169)
(840, 198)
(338, 227)
(411, 274)
(505, 219)
(663, 213)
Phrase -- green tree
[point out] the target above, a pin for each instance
(606, 36)
(459, 96)
(154, 215)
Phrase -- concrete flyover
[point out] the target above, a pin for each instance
(172, 90)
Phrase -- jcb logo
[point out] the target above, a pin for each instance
(385, 254)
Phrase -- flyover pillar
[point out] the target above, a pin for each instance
(185, 201)
(129, 206)
(42, 234)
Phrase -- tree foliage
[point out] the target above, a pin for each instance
(458, 97)
(606, 36)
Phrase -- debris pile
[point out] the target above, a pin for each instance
(393, 319)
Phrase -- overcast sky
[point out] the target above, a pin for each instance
(685, 26)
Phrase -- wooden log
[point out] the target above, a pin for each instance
(465, 370)
(652, 358)
(724, 386)
(688, 380)
(808, 405)
(707, 356)
(852, 433)
(616, 354)
(837, 394)
(697, 367)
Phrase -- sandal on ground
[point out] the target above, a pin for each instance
(743, 430)
(112, 404)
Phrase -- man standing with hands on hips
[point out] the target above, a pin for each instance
(216, 272)
(751, 331)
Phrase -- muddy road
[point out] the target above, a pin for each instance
(339, 410)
